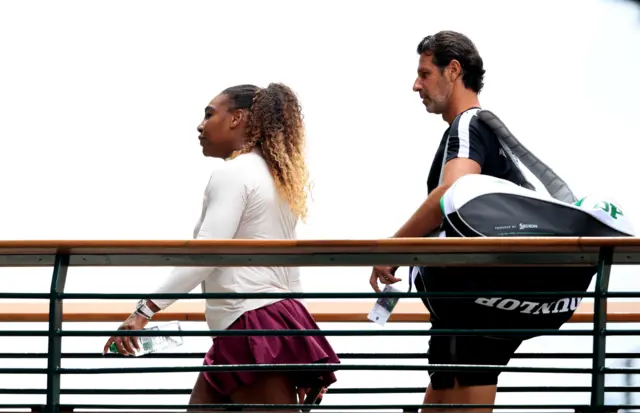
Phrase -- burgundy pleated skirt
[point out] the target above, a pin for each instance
(287, 314)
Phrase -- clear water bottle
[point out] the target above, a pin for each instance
(154, 344)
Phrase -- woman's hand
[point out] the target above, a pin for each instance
(127, 345)
(302, 394)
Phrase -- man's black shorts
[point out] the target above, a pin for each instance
(493, 313)
(465, 349)
(505, 313)
(472, 350)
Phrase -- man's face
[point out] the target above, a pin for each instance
(432, 85)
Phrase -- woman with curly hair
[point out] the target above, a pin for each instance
(259, 193)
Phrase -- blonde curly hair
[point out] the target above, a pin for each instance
(275, 125)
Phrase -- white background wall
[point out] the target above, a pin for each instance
(100, 101)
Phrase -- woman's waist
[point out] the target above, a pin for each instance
(247, 280)
(221, 313)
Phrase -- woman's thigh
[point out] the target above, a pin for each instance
(203, 393)
(272, 388)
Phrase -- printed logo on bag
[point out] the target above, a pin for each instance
(520, 226)
(613, 210)
(562, 305)
(608, 207)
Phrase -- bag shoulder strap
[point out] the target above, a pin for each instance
(555, 185)
(518, 153)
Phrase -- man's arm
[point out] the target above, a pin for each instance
(428, 216)
(466, 153)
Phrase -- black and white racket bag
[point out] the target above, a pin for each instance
(484, 206)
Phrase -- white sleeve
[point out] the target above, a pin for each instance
(227, 197)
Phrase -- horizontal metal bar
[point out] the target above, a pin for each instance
(537, 356)
(410, 407)
(332, 259)
(339, 333)
(24, 333)
(620, 370)
(342, 333)
(353, 356)
(332, 295)
(21, 370)
(321, 367)
(162, 355)
(621, 332)
(25, 296)
(344, 390)
(314, 295)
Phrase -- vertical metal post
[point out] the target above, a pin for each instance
(599, 327)
(628, 381)
(58, 281)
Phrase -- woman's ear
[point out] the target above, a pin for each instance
(238, 117)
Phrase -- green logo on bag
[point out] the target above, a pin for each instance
(613, 210)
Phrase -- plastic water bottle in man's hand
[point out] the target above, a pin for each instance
(384, 306)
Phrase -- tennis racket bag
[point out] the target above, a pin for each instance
(485, 206)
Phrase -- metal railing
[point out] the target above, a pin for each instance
(403, 252)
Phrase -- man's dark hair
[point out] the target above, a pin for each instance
(446, 46)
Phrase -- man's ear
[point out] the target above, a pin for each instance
(454, 70)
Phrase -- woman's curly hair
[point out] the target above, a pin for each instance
(275, 125)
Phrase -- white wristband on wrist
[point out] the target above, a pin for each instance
(143, 310)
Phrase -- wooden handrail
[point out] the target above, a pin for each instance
(400, 251)
(405, 311)
(238, 246)
(323, 311)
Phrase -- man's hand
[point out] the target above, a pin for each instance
(385, 275)
(128, 345)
